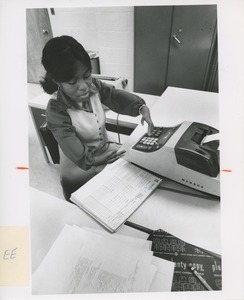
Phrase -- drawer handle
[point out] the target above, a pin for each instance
(43, 115)
(176, 39)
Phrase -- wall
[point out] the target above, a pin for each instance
(108, 30)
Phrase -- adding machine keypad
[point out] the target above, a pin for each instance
(149, 143)
(158, 138)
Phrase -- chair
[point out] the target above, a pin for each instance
(50, 143)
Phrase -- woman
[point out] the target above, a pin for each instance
(75, 114)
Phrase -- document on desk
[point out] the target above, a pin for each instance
(85, 261)
(115, 193)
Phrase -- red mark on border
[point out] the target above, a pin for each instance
(22, 168)
(225, 170)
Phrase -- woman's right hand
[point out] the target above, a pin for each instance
(108, 158)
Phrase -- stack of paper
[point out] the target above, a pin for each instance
(84, 260)
(115, 193)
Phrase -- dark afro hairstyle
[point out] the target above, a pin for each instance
(59, 58)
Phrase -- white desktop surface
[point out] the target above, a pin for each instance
(177, 105)
(191, 218)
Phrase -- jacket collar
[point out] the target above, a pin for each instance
(62, 101)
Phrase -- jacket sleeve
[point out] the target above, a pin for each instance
(120, 101)
(59, 123)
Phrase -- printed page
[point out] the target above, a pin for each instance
(80, 262)
(125, 268)
(162, 279)
(133, 249)
(83, 271)
(120, 189)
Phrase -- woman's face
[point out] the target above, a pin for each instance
(78, 88)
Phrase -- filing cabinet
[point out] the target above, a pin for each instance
(175, 46)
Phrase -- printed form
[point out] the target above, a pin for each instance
(115, 193)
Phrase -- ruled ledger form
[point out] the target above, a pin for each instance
(115, 193)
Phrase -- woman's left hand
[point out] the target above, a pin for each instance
(146, 116)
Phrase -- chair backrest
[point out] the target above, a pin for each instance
(50, 142)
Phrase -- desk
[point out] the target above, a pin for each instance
(190, 218)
